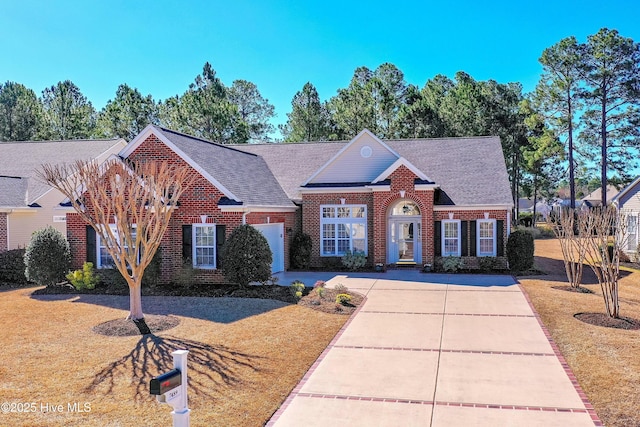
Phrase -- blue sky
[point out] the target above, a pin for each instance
(159, 46)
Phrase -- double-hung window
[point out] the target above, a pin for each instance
(204, 245)
(343, 228)
(632, 233)
(451, 238)
(103, 258)
(486, 237)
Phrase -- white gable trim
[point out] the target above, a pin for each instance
(151, 129)
(627, 189)
(257, 208)
(400, 162)
(345, 148)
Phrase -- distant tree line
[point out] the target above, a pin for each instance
(586, 106)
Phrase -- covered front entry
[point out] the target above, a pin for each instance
(274, 233)
(404, 234)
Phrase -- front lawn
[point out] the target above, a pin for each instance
(606, 361)
(245, 357)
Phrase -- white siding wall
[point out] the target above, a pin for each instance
(350, 166)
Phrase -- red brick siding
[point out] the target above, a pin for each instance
(200, 199)
(471, 262)
(4, 233)
(378, 205)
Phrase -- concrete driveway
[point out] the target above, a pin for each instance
(437, 350)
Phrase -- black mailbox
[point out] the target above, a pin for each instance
(165, 382)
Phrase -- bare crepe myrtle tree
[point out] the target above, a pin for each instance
(564, 226)
(599, 229)
(136, 199)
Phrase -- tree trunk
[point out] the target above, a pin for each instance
(135, 308)
(603, 136)
(572, 184)
(535, 197)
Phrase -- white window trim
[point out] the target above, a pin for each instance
(494, 239)
(442, 234)
(635, 221)
(336, 221)
(114, 230)
(194, 247)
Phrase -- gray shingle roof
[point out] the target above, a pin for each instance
(470, 171)
(244, 174)
(13, 191)
(22, 159)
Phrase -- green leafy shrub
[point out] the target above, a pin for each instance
(47, 257)
(520, 249)
(343, 299)
(301, 250)
(12, 266)
(185, 275)
(153, 272)
(452, 264)
(488, 263)
(112, 279)
(85, 278)
(354, 260)
(246, 256)
(296, 289)
(331, 263)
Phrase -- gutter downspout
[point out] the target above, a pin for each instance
(244, 216)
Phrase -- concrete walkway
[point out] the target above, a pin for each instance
(437, 350)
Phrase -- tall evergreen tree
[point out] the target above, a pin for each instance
(205, 111)
(67, 112)
(558, 95)
(307, 120)
(20, 112)
(353, 108)
(611, 71)
(388, 91)
(127, 114)
(254, 109)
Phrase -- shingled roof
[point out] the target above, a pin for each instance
(23, 159)
(469, 171)
(244, 174)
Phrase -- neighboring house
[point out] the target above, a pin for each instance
(27, 204)
(594, 198)
(398, 201)
(628, 201)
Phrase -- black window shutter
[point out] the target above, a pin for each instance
(500, 237)
(221, 237)
(91, 245)
(472, 238)
(437, 238)
(187, 252)
(465, 240)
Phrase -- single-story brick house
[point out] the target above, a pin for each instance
(628, 202)
(397, 201)
(27, 204)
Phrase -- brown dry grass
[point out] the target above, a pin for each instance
(605, 361)
(245, 357)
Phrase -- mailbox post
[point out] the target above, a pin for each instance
(171, 388)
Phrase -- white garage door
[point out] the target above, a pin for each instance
(274, 233)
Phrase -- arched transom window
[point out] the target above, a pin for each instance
(405, 207)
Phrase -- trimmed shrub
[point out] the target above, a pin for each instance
(12, 266)
(520, 249)
(153, 272)
(47, 257)
(296, 288)
(451, 264)
(85, 278)
(488, 263)
(301, 250)
(354, 260)
(246, 256)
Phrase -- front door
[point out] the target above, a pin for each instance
(404, 241)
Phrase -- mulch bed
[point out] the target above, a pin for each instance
(601, 319)
(579, 289)
(127, 328)
(328, 303)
